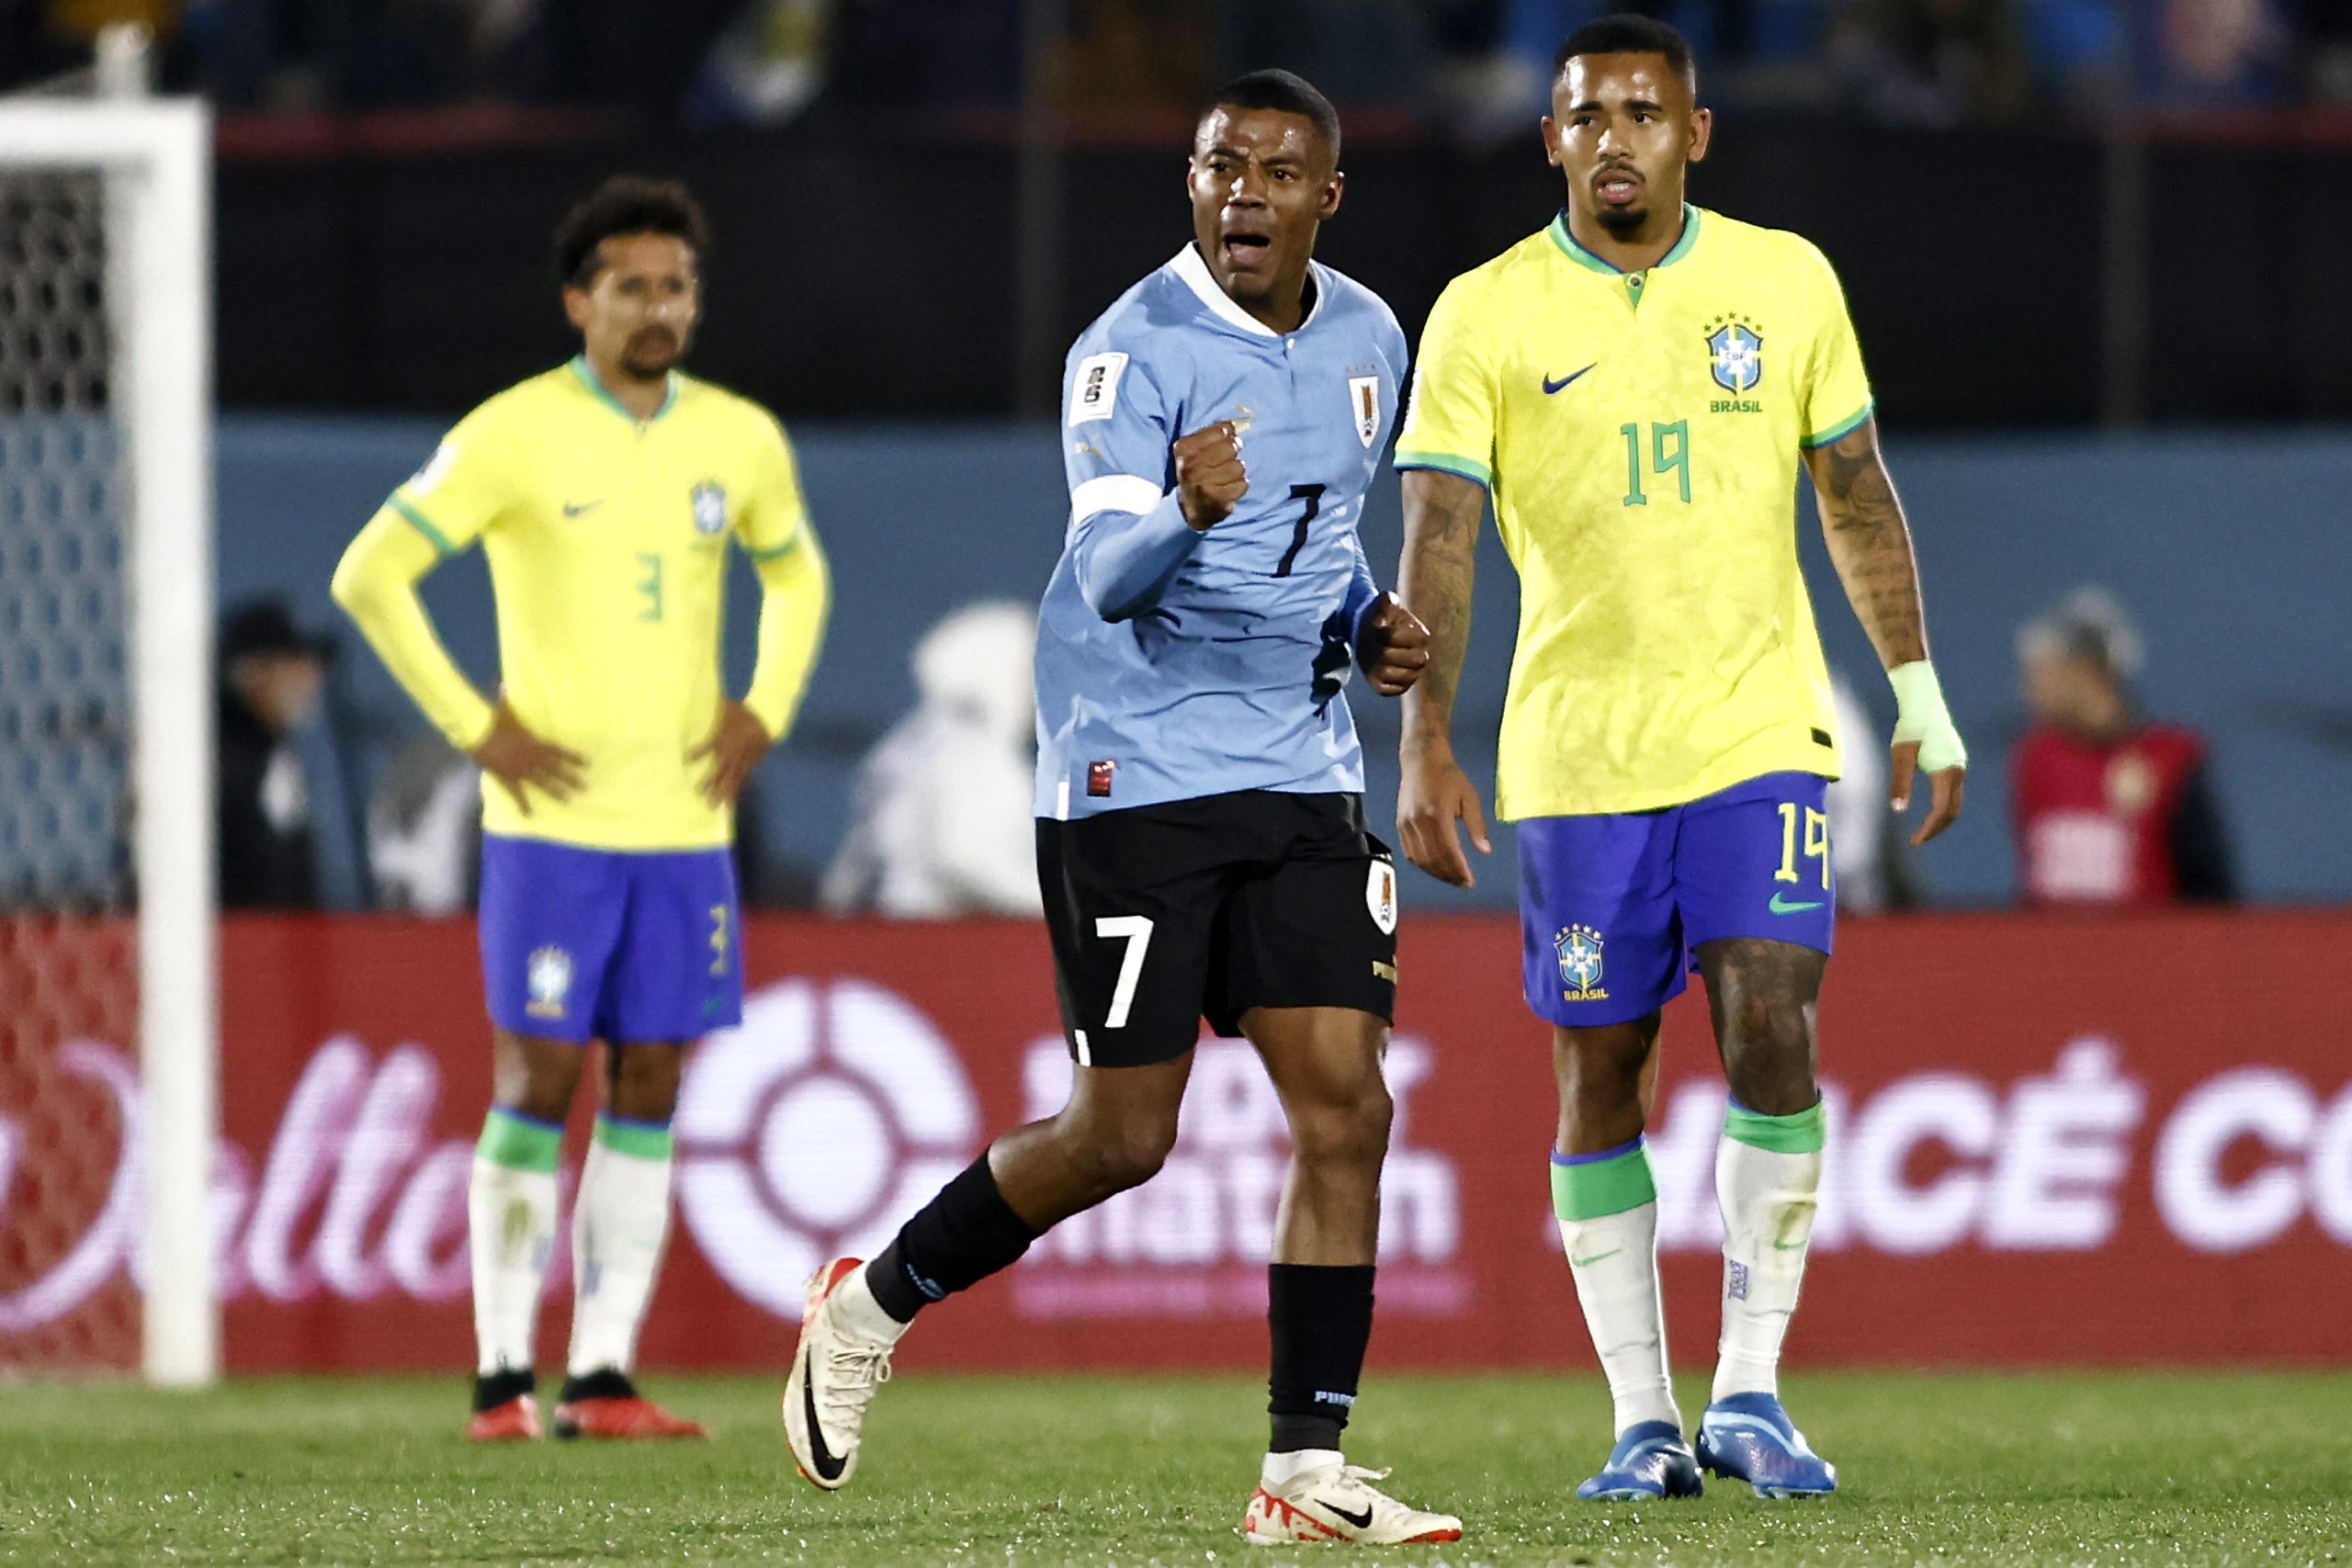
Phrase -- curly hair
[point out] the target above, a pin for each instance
(626, 204)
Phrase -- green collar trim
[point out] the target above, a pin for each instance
(1584, 258)
(587, 374)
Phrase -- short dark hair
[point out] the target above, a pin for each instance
(1628, 34)
(1283, 90)
(626, 204)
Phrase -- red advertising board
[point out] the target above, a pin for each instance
(2054, 1139)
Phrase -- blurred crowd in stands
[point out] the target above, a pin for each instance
(1477, 66)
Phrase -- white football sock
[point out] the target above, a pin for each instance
(861, 1315)
(1768, 1196)
(1279, 1471)
(620, 1222)
(510, 1219)
(1612, 1257)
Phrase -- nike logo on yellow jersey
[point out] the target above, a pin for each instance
(579, 508)
(1551, 386)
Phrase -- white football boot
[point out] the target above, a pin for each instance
(834, 1374)
(1339, 1504)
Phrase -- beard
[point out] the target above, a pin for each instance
(1622, 221)
(652, 353)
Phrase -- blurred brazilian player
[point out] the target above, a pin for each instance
(1201, 841)
(605, 493)
(1635, 385)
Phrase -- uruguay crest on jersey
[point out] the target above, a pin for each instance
(1363, 398)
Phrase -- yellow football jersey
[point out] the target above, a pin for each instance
(607, 541)
(1641, 434)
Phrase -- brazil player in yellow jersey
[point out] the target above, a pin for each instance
(605, 494)
(1636, 386)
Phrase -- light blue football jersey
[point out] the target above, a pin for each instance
(1173, 664)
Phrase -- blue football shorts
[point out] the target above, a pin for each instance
(1612, 908)
(623, 946)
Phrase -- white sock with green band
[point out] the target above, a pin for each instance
(619, 1224)
(1920, 715)
(510, 1219)
(1607, 1206)
(1768, 1178)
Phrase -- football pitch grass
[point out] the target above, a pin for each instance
(2078, 1470)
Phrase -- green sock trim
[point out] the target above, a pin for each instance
(1595, 1189)
(638, 1140)
(517, 1141)
(1802, 1133)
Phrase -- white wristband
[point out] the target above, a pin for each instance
(1920, 715)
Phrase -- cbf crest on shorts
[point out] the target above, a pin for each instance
(548, 981)
(710, 509)
(1579, 951)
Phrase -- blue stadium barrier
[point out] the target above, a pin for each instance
(2229, 549)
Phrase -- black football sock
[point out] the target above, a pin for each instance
(1321, 1319)
(956, 1240)
(605, 1382)
(494, 1388)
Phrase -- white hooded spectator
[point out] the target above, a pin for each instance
(425, 830)
(940, 824)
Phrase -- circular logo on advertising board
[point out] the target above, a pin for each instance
(813, 1129)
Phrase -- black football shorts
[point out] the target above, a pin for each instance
(1164, 915)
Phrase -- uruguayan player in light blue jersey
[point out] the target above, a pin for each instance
(1200, 835)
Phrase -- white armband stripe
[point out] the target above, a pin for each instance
(1112, 492)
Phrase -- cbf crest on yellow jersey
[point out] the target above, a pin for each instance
(607, 537)
(1641, 433)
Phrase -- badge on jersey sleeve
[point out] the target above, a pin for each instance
(1096, 395)
(710, 509)
(1363, 401)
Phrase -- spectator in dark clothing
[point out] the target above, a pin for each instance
(1935, 63)
(271, 676)
(2109, 807)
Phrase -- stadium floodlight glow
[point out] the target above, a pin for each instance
(153, 160)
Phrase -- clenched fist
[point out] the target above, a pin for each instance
(1394, 648)
(1210, 477)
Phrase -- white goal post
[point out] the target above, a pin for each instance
(154, 160)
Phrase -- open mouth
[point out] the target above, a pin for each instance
(1618, 188)
(1245, 249)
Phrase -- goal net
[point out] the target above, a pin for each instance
(107, 1043)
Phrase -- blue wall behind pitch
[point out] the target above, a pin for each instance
(2234, 551)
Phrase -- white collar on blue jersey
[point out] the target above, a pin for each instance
(1193, 268)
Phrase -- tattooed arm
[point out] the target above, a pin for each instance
(1441, 513)
(1870, 544)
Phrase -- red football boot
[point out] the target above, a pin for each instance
(629, 1417)
(515, 1421)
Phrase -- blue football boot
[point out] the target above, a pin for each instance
(1748, 1436)
(1650, 1461)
